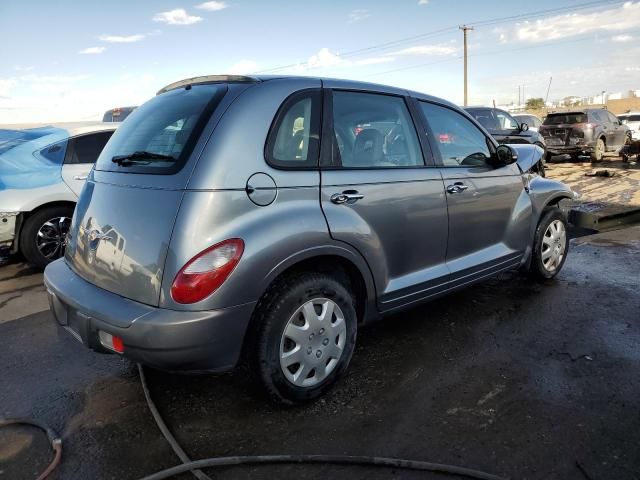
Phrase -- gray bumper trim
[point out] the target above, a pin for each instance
(162, 338)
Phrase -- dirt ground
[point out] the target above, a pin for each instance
(521, 379)
(599, 194)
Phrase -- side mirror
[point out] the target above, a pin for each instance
(524, 127)
(505, 155)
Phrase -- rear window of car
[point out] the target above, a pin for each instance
(159, 136)
(560, 118)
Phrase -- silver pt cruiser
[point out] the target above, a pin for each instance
(270, 218)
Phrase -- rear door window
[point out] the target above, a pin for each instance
(84, 149)
(373, 131)
(159, 136)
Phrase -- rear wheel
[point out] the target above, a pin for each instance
(551, 245)
(44, 236)
(598, 151)
(306, 337)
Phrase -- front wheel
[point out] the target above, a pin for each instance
(551, 245)
(306, 337)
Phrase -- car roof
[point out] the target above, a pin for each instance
(327, 82)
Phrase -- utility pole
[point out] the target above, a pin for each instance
(519, 97)
(548, 88)
(465, 29)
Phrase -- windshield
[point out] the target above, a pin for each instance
(560, 118)
(166, 128)
(12, 138)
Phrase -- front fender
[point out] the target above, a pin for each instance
(544, 192)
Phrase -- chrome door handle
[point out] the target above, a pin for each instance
(80, 177)
(456, 188)
(348, 196)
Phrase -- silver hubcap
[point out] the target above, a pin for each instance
(51, 239)
(554, 243)
(312, 342)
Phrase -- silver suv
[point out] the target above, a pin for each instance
(269, 218)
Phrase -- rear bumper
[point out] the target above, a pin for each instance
(158, 337)
(564, 149)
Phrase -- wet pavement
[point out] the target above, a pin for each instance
(520, 379)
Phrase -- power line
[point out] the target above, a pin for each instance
(493, 52)
(480, 23)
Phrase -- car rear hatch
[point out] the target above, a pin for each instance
(122, 228)
(559, 128)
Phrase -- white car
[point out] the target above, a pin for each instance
(631, 120)
(42, 171)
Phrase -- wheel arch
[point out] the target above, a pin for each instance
(24, 216)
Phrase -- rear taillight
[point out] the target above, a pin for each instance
(204, 273)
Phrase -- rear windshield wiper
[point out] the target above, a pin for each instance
(141, 157)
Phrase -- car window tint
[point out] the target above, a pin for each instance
(295, 143)
(373, 131)
(506, 121)
(55, 153)
(458, 140)
(86, 148)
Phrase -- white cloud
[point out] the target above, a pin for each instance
(121, 39)
(212, 6)
(53, 78)
(423, 2)
(92, 50)
(621, 38)
(436, 50)
(5, 86)
(176, 17)
(325, 58)
(358, 14)
(374, 61)
(625, 17)
(242, 67)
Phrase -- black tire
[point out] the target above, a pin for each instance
(598, 151)
(29, 234)
(537, 268)
(272, 315)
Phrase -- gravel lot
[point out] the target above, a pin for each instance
(518, 379)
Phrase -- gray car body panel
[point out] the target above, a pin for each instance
(165, 220)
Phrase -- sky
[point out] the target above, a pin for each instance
(73, 60)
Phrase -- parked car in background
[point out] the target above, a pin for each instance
(532, 121)
(117, 114)
(506, 129)
(588, 131)
(632, 121)
(42, 171)
(278, 215)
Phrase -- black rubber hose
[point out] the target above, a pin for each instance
(182, 455)
(54, 440)
(324, 459)
(195, 466)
